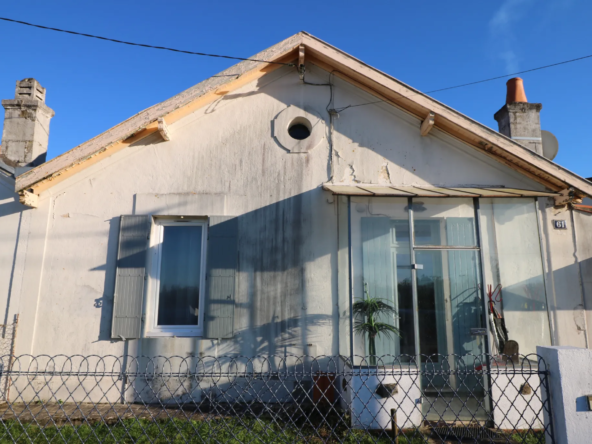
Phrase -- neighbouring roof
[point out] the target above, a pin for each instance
(6, 168)
(373, 81)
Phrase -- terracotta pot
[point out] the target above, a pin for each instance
(324, 388)
(515, 91)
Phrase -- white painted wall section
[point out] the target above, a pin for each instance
(570, 384)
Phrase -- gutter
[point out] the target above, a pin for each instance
(583, 208)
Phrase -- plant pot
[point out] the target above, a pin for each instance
(370, 393)
(324, 388)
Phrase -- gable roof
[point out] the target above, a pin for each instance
(348, 68)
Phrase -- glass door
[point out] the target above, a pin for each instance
(449, 300)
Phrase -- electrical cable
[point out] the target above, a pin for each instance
(509, 75)
(329, 110)
(282, 63)
(141, 44)
(473, 83)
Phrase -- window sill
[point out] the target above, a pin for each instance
(181, 333)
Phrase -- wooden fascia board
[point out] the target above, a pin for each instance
(450, 121)
(146, 122)
(88, 161)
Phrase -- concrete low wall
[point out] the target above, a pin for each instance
(570, 383)
(515, 407)
(369, 411)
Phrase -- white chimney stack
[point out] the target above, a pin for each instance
(520, 119)
(26, 126)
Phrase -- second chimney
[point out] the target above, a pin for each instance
(26, 126)
(519, 119)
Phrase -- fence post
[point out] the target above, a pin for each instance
(569, 385)
(394, 427)
(11, 358)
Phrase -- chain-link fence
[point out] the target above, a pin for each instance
(283, 399)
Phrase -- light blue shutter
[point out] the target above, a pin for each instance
(378, 273)
(130, 277)
(222, 262)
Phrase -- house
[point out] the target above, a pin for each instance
(245, 215)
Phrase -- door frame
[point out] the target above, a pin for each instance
(480, 275)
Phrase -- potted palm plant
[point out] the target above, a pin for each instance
(372, 393)
(369, 313)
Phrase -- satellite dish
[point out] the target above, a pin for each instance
(550, 145)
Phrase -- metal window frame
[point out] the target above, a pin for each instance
(414, 296)
(488, 341)
(476, 201)
(350, 281)
(415, 248)
(412, 249)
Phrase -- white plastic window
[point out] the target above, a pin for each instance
(177, 278)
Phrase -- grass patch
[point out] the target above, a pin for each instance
(181, 431)
(224, 430)
(529, 438)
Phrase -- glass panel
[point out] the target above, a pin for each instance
(444, 222)
(449, 301)
(450, 309)
(513, 272)
(180, 272)
(382, 269)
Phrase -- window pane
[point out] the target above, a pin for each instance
(449, 222)
(512, 255)
(382, 269)
(449, 302)
(450, 307)
(180, 272)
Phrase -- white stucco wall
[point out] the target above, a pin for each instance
(565, 281)
(223, 160)
(569, 387)
(12, 219)
(583, 231)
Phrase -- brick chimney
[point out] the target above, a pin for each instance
(26, 126)
(519, 119)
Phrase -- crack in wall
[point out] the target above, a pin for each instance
(384, 175)
(349, 174)
(53, 206)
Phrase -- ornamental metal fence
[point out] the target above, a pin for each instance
(276, 399)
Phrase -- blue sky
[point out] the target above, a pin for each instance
(93, 85)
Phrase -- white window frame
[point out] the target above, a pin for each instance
(152, 329)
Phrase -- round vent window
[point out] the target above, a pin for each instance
(299, 128)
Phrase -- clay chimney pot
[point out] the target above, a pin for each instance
(515, 91)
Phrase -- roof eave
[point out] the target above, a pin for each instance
(145, 122)
(456, 124)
